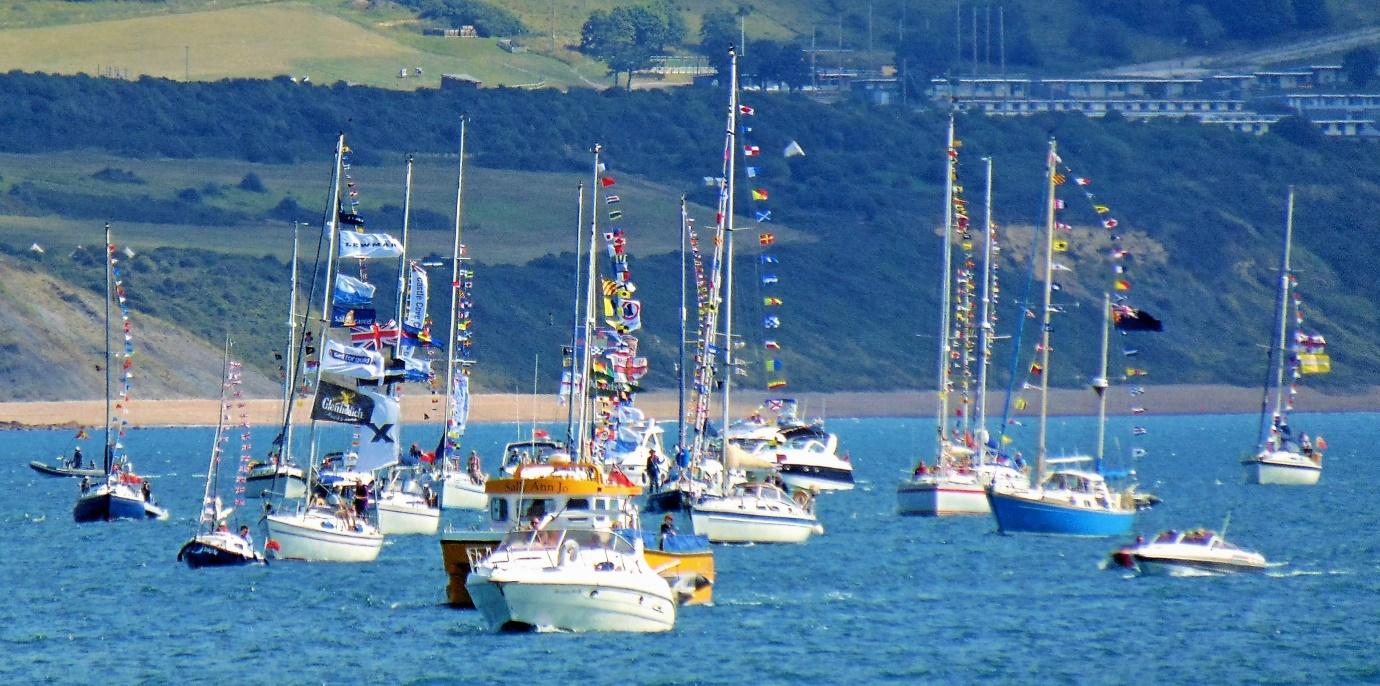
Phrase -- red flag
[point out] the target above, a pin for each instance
(746, 110)
(607, 181)
(751, 151)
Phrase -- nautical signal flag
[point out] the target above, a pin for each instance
(615, 214)
(751, 151)
(1036, 369)
(1101, 209)
(1134, 371)
(746, 110)
(1109, 223)
(766, 239)
(763, 216)
(759, 194)
(1059, 179)
(1061, 246)
(1082, 181)
(1314, 363)
(769, 279)
(1139, 430)
(607, 181)
(771, 345)
(776, 383)
(752, 172)
(1122, 285)
(771, 302)
(771, 322)
(768, 259)
(1058, 204)
(773, 365)
(611, 199)
(793, 149)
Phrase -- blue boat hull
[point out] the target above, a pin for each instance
(1022, 515)
(197, 555)
(104, 507)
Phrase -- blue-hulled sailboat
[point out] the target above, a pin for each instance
(1064, 501)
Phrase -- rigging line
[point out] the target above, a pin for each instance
(1016, 338)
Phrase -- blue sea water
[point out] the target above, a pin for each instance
(878, 599)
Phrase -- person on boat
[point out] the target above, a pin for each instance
(76, 457)
(414, 455)
(248, 537)
(921, 469)
(475, 469)
(223, 528)
(361, 498)
(85, 484)
(147, 491)
(1306, 444)
(668, 528)
(653, 470)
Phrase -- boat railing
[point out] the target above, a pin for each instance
(477, 554)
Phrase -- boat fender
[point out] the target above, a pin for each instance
(570, 551)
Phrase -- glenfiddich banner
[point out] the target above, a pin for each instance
(340, 404)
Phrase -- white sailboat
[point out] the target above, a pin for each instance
(747, 514)
(1281, 457)
(964, 466)
(319, 530)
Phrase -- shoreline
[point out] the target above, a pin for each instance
(1189, 399)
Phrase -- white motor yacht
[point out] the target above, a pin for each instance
(754, 513)
(570, 580)
(1188, 553)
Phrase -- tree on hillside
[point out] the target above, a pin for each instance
(775, 62)
(1359, 65)
(487, 19)
(718, 30)
(1253, 18)
(627, 37)
(1196, 27)
(1312, 14)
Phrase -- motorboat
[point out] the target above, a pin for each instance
(570, 580)
(804, 454)
(533, 451)
(1200, 552)
(1068, 502)
(632, 443)
(64, 469)
(219, 549)
(119, 497)
(321, 533)
(754, 513)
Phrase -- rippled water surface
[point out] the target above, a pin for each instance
(878, 598)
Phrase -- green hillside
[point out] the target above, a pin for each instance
(1201, 207)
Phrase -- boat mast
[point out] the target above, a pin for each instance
(1045, 318)
(985, 329)
(109, 444)
(290, 360)
(454, 298)
(680, 362)
(591, 292)
(1100, 383)
(1281, 315)
(945, 299)
(729, 160)
(575, 318)
(213, 472)
(404, 271)
(328, 294)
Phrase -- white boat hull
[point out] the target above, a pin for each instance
(574, 605)
(307, 538)
(407, 518)
(930, 498)
(460, 492)
(743, 527)
(1282, 469)
(1168, 567)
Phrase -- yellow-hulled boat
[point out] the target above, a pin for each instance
(563, 494)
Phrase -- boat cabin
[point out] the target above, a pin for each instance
(534, 451)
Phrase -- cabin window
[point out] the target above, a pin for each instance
(533, 507)
(577, 504)
(498, 509)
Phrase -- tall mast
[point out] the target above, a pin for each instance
(391, 389)
(454, 297)
(1045, 318)
(109, 444)
(1281, 314)
(729, 159)
(328, 294)
(680, 362)
(575, 318)
(945, 299)
(591, 292)
(213, 472)
(290, 359)
(1100, 383)
(984, 328)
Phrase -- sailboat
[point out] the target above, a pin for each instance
(279, 471)
(123, 494)
(1063, 501)
(462, 488)
(1281, 457)
(213, 544)
(321, 530)
(756, 512)
(964, 465)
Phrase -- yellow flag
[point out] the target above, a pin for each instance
(1314, 363)
(1061, 246)
(1102, 209)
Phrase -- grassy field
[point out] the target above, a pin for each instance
(325, 40)
(510, 217)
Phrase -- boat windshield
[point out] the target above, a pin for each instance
(520, 540)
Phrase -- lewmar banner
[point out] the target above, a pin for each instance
(352, 361)
(352, 292)
(340, 404)
(414, 318)
(378, 441)
(368, 245)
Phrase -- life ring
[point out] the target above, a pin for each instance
(570, 551)
(801, 498)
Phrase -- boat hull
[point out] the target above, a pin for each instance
(59, 471)
(570, 606)
(669, 499)
(817, 477)
(103, 505)
(1161, 566)
(456, 554)
(689, 574)
(307, 538)
(210, 551)
(405, 519)
(934, 499)
(1026, 513)
(747, 527)
(1282, 472)
(460, 492)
